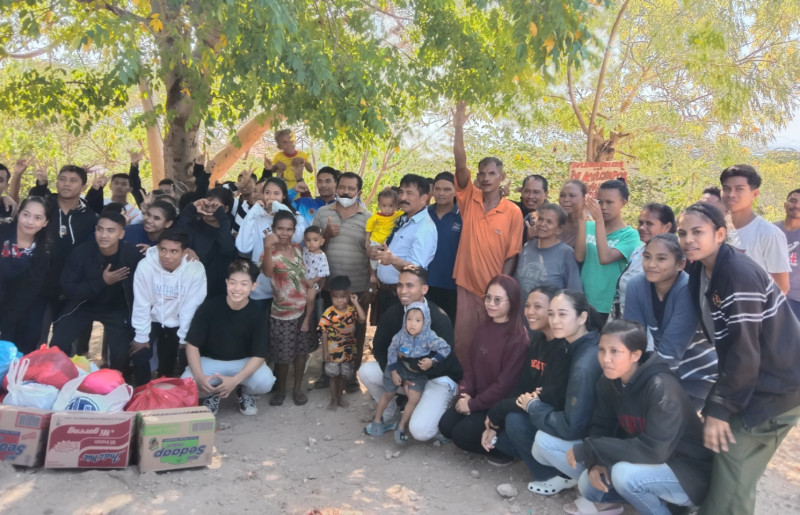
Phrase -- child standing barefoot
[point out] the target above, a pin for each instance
(283, 264)
(413, 350)
(317, 270)
(338, 325)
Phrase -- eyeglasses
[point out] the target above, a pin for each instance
(493, 300)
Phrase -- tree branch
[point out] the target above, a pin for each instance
(574, 104)
(601, 77)
(119, 11)
(32, 53)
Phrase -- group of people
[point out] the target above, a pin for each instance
(658, 367)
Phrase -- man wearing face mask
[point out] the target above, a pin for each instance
(344, 224)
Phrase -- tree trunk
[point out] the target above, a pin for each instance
(180, 141)
(155, 145)
(247, 136)
(603, 149)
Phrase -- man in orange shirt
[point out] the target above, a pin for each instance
(491, 237)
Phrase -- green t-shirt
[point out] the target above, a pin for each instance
(600, 281)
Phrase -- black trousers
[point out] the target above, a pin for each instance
(466, 430)
(166, 342)
(117, 332)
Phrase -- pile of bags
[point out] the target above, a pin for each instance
(48, 379)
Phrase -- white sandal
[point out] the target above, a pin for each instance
(552, 486)
(583, 506)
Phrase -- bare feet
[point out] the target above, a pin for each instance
(343, 401)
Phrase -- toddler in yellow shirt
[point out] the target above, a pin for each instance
(380, 225)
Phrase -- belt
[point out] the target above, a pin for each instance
(388, 287)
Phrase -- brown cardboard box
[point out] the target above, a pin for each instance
(90, 439)
(175, 438)
(23, 435)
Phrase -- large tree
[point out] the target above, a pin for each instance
(688, 71)
(345, 69)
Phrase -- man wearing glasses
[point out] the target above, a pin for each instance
(491, 236)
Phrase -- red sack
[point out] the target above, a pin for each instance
(48, 365)
(164, 393)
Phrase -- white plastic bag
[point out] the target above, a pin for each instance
(28, 394)
(70, 398)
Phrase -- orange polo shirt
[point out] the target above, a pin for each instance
(487, 239)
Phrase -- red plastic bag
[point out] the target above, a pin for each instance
(102, 381)
(48, 365)
(164, 393)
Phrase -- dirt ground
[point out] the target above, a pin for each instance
(306, 459)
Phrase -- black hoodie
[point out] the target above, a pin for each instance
(67, 231)
(649, 421)
(546, 367)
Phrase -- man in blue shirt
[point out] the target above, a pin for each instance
(412, 242)
(444, 213)
(326, 193)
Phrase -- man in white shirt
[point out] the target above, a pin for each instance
(760, 240)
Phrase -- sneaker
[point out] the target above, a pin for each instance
(400, 437)
(442, 439)
(499, 461)
(377, 428)
(212, 403)
(247, 403)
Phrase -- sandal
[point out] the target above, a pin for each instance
(277, 399)
(400, 437)
(552, 486)
(299, 397)
(583, 506)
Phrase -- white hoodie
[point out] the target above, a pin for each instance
(250, 241)
(168, 298)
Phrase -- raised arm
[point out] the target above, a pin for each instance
(459, 119)
(16, 178)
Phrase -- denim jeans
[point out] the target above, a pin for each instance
(645, 487)
(552, 451)
(258, 382)
(516, 440)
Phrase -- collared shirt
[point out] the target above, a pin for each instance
(308, 207)
(414, 242)
(347, 253)
(487, 239)
(448, 229)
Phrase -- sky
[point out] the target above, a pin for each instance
(789, 137)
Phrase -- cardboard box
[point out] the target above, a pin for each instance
(176, 438)
(23, 435)
(90, 439)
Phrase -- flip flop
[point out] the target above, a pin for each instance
(583, 506)
(552, 486)
(299, 397)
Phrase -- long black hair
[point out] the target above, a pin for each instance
(284, 190)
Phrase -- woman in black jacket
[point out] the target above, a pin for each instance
(645, 445)
(756, 400)
(25, 261)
